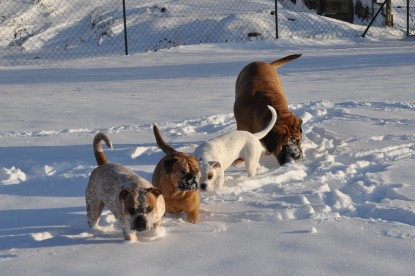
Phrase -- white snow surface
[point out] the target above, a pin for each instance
(347, 209)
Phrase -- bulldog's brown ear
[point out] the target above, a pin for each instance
(154, 190)
(169, 163)
(124, 193)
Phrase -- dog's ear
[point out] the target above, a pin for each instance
(154, 190)
(300, 122)
(282, 130)
(169, 163)
(160, 206)
(270, 141)
(216, 165)
(124, 193)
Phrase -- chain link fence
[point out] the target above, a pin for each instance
(325, 19)
(41, 31)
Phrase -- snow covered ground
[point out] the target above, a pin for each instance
(347, 209)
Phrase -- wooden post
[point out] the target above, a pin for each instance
(389, 15)
(407, 17)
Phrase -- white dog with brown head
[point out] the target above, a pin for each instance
(133, 201)
(218, 154)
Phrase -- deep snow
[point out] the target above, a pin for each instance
(347, 209)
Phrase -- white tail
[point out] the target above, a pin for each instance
(271, 124)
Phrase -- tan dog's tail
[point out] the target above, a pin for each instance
(271, 124)
(280, 62)
(98, 151)
(161, 143)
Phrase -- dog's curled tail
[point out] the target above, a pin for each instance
(271, 124)
(167, 149)
(280, 62)
(98, 151)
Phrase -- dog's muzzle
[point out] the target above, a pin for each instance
(290, 152)
(188, 182)
(140, 224)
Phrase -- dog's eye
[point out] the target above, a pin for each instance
(210, 175)
(149, 209)
(132, 211)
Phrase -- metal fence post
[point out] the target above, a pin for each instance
(276, 19)
(125, 27)
(407, 17)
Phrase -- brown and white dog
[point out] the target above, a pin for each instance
(257, 86)
(177, 175)
(134, 202)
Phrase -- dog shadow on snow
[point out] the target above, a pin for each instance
(36, 228)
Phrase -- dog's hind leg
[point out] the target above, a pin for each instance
(251, 168)
(94, 211)
(251, 164)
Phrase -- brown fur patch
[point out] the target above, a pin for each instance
(152, 196)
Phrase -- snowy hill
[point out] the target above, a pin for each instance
(44, 30)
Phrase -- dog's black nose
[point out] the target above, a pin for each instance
(140, 223)
(203, 186)
(189, 176)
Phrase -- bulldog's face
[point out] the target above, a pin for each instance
(212, 173)
(143, 207)
(183, 171)
(284, 141)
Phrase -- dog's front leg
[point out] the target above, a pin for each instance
(157, 224)
(129, 235)
(193, 216)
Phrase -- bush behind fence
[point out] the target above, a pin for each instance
(39, 31)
